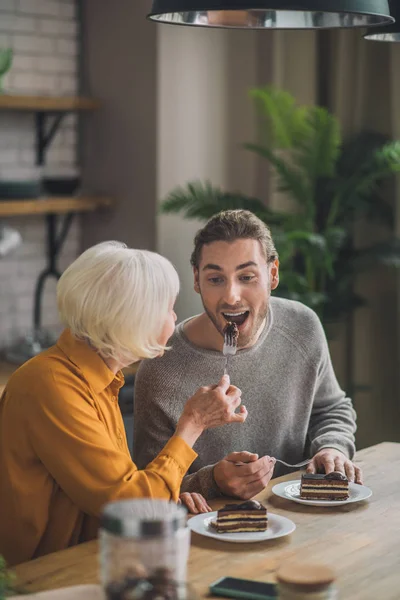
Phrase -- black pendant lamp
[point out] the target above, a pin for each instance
(388, 33)
(272, 14)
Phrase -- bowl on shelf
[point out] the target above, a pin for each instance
(19, 190)
(60, 186)
(20, 183)
(60, 180)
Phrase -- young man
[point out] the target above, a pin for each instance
(296, 408)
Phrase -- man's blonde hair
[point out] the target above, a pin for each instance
(117, 299)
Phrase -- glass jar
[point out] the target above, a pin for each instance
(144, 549)
(306, 581)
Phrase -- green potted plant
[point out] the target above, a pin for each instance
(333, 183)
(6, 580)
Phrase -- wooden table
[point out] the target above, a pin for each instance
(361, 541)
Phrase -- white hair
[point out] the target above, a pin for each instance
(118, 300)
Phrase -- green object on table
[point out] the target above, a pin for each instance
(6, 580)
(6, 58)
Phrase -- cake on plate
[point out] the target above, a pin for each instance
(333, 486)
(235, 518)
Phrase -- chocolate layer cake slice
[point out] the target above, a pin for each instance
(248, 516)
(333, 486)
(231, 333)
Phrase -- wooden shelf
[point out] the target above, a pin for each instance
(61, 205)
(47, 103)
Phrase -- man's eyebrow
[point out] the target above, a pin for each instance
(250, 263)
(211, 266)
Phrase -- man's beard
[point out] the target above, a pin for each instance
(245, 339)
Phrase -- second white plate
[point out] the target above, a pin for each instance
(291, 491)
(277, 527)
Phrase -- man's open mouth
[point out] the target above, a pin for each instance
(236, 317)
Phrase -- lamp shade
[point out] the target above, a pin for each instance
(388, 33)
(272, 14)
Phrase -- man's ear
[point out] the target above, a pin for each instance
(196, 280)
(274, 274)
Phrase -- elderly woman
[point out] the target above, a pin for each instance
(63, 449)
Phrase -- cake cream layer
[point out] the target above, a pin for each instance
(323, 497)
(241, 525)
(331, 482)
(324, 487)
(325, 483)
(239, 529)
(324, 494)
(241, 520)
(241, 516)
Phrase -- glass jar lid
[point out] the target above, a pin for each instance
(144, 518)
(308, 576)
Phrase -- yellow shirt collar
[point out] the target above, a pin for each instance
(93, 367)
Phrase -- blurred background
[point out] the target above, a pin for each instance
(172, 105)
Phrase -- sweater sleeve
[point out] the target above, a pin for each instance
(153, 426)
(87, 465)
(202, 482)
(333, 419)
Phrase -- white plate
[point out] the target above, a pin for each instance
(75, 592)
(291, 491)
(277, 527)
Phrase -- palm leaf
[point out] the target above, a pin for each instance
(357, 149)
(317, 152)
(284, 124)
(357, 191)
(335, 238)
(202, 201)
(290, 180)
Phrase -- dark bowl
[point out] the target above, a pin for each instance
(60, 186)
(19, 190)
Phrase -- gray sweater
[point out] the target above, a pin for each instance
(295, 404)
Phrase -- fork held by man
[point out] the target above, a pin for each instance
(231, 334)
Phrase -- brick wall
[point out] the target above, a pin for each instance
(44, 37)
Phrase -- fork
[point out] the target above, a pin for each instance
(300, 464)
(229, 349)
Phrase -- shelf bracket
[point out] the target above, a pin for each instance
(44, 133)
(54, 246)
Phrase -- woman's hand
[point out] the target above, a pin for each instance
(195, 503)
(211, 406)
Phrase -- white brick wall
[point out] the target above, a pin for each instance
(44, 37)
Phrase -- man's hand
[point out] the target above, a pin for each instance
(243, 474)
(330, 459)
(195, 503)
